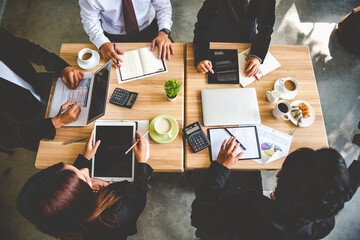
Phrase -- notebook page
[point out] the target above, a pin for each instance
(150, 61)
(131, 65)
(246, 135)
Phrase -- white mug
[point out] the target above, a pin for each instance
(289, 86)
(273, 96)
(282, 108)
(88, 61)
(163, 126)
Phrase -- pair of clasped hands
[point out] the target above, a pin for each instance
(251, 68)
(162, 41)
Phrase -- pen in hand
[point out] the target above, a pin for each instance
(235, 139)
(117, 61)
(68, 108)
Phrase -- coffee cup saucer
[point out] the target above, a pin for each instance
(283, 95)
(90, 65)
(163, 138)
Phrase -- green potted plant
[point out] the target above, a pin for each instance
(172, 88)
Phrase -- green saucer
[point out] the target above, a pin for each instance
(162, 138)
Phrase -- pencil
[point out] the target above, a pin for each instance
(135, 143)
(117, 61)
(235, 138)
(75, 140)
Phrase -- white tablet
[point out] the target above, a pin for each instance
(110, 162)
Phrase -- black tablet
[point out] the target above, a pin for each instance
(110, 162)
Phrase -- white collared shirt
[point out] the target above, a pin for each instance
(111, 14)
(9, 75)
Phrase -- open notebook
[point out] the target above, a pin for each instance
(269, 65)
(140, 63)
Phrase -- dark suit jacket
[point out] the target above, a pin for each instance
(13, 135)
(18, 54)
(231, 21)
(247, 214)
(126, 212)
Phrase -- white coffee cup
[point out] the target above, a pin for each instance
(289, 86)
(163, 126)
(273, 96)
(282, 108)
(86, 56)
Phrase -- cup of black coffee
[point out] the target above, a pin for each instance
(282, 108)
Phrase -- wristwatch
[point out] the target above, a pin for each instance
(165, 30)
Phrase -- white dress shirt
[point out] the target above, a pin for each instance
(111, 14)
(9, 75)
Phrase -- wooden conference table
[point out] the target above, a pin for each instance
(295, 62)
(150, 103)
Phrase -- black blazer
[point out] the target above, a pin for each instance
(231, 21)
(19, 53)
(13, 135)
(127, 212)
(247, 214)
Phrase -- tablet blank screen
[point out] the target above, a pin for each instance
(110, 158)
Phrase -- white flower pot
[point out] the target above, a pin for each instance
(170, 99)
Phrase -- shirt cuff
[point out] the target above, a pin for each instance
(99, 41)
(163, 25)
(252, 55)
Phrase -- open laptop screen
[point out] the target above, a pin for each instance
(99, 92)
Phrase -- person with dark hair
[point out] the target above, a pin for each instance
(63, 201)
(234, 21)
(28, 135)
(312, 188)
(23, 96)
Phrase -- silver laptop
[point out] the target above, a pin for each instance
(232, 106)
(90, 95)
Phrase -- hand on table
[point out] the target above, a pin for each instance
(108, 52)
(227, 156)
(205, 66)
(252, 66)
(140, 149)
(67, 117)
(90, 150)
(71, 77)
(164, 44)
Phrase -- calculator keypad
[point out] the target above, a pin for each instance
(198, 141)
(119, 96)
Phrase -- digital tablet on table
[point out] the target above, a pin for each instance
(110, 162)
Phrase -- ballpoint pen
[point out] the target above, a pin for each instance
(235, 138)
(117, 61)
(75, 140)
(68, 108)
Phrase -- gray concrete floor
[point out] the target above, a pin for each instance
(167, 214)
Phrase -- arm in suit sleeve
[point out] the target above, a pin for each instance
(265, 21)
(32, 52)
(27, 136)
(82, 162)
(205, 18)
(136, 192)
(206, 213)
(354, 174)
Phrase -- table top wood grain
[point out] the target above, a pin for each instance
(295, 62)
(150, 103)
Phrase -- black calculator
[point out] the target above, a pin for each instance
(123, 98)
(196, 137)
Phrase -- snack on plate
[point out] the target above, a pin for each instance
(305, 110)
(296, 113)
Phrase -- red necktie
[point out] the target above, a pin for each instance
(131, 25)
